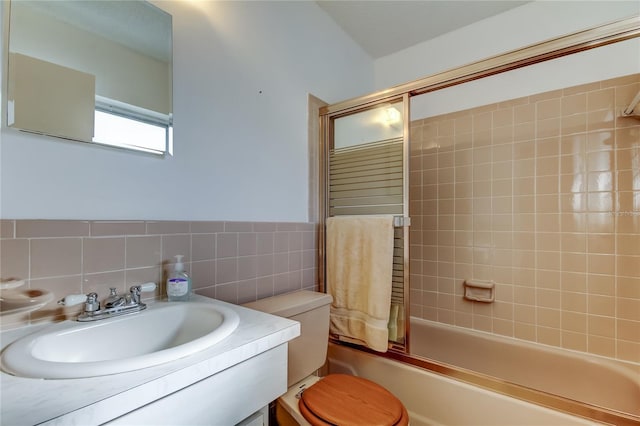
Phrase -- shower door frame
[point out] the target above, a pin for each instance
(326, 143)
(602, 35)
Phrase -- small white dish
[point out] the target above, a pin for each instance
(15, 300)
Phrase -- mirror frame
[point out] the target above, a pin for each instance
(114, 108)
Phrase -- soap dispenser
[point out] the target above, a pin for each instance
(179, 282)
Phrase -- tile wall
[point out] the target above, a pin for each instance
(231, 261)
(542, 196)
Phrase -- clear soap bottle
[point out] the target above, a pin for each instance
(179, 282)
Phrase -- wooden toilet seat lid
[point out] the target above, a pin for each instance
(340, 399)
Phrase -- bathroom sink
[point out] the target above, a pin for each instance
(163, 332)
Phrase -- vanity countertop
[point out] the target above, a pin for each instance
(95, 400)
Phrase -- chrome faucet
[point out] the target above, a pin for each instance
(114, 305)
(114, 300)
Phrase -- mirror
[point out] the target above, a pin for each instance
(91, 71)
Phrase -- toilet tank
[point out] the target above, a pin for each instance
(307, 352)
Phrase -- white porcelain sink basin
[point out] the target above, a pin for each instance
(161, 333)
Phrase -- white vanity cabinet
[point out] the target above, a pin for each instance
(227, 398)
(221, 385)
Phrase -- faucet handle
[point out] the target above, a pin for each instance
(90, 301)
(150, 286)
(140, 288)
(135, 290)
(72, 300)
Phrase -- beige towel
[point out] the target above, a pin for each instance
(359, 274)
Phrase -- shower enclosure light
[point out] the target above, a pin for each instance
(392, 116)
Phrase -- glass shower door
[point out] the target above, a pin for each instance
(366, 170)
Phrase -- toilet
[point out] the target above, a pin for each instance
(336, 399)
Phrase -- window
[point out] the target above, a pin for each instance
(130, 127)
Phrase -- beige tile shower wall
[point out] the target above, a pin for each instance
(541, 195)
(232, 261)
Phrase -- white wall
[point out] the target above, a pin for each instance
(242, 74)
(523, 26)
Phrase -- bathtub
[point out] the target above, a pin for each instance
(439, 394)
(573, 375)
(433, 399)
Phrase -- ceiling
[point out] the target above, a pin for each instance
(383, 27)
